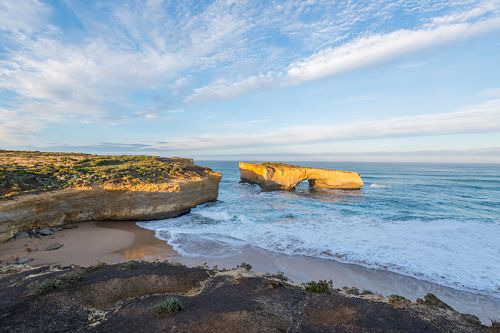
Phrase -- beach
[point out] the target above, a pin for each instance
(88, 244)
(110, 242)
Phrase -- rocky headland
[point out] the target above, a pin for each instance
(280, 176)
(158, 296)
(40, 190)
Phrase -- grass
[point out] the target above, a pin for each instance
(321, 287)
(96, 267)
(169, 306)
(24, 172)
(63, 282)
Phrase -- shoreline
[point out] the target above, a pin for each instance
(119, 241)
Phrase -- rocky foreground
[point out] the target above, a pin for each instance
(40, 190)
(152, 297)
(280, 176)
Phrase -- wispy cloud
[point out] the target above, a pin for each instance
(362, 52)
(493, 93)
(114, 62)
(95, 78)
(483, 117)
(246, 124)
(377, 48)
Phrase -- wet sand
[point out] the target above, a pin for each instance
(88, 244)
(114, 242)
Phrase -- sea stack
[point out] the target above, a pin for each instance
(280, 176)
(40, 190)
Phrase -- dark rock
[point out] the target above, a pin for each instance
(21, 235)
(471, 318)
(246, 266)
(352, 291)
(54, 246)
(23, 260)
(45, 232)
(69, 226)
(398, 300)
(432, 300)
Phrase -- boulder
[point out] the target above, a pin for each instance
(54, 246)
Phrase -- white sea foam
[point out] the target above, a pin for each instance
(463, 255)
(375, 185)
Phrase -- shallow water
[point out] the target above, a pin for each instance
(435, 222)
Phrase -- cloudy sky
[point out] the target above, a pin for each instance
(394, 80)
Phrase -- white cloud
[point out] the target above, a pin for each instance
(223, 89)
(361, 52)
(139, 49)
(377, 48)
(482, 9)
(493, 93)
(484, 117)
(144, 49)
(246, 124)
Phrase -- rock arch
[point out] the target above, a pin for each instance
(280, 176)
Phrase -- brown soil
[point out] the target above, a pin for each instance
(122, 298)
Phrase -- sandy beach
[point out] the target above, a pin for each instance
(88, 244)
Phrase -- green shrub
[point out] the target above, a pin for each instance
(169, 306)
(129, 265)
(322, 286)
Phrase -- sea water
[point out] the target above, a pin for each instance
(434, 222)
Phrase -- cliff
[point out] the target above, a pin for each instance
(50, 189)
(279, 176)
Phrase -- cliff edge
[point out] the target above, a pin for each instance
(280, 176)
(50, 189)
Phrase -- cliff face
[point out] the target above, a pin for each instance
(148, 196)
(279, 176)
(97, 204)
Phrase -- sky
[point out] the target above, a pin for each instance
(402, 80)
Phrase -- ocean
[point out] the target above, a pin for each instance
(435, 222)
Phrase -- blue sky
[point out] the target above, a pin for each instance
(309, 80)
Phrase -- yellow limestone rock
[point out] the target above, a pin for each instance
(279, 176)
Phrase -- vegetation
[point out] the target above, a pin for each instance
(63, 282)
(31, 172)
(169, 306)
(128, 265)
(96, 267)
(321, 287)
(277, 165)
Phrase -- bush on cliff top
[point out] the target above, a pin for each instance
(27, 172)
(322, 286)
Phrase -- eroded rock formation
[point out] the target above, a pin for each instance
(279, 176)
(117, 188)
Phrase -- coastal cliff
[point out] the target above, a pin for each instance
(280, 176)
(51, 189)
